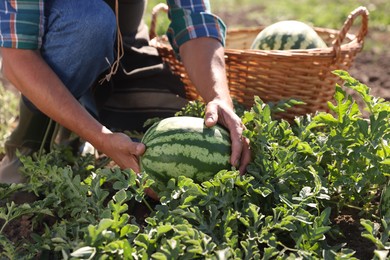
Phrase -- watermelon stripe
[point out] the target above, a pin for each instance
(175, 168)
(163, 170)
(178, 136)
(148, 165)
(190, 151)
(148, 135)
(278, 42)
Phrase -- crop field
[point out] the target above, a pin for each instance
(317, 186)
(327, 14)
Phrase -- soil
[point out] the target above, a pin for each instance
(373, 70)
(348, 223)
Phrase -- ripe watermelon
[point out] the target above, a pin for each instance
(184, 146)
(286, 35)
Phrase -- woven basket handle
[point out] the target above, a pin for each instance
(360, 11)
(161, 7)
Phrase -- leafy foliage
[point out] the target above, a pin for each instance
(301, 173)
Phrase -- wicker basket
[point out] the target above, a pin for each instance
(305, 75)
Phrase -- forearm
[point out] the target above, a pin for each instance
(35, 79)
(204, 61)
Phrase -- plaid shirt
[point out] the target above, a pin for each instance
(193, 19)
(22, 23)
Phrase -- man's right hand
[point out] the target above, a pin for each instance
(121, 149)
(125, 153)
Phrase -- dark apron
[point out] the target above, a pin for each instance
(143, 87)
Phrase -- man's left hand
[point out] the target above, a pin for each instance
(220, 112)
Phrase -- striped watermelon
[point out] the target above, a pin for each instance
(287, 35)
(184, 146)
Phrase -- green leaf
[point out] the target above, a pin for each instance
(163, 229)
(86, 252)
(381, 254)
(325, 119)
(386, 161)
(370, 233)
(120, 196)
(104, 224)
(159, 256)
(128, 230)
(13, 211)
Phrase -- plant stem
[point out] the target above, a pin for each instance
(147, 204)
(7, 218)
(44, 139)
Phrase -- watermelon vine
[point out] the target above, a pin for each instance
(302, 174)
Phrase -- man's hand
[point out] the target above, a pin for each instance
(204, 61)
(125, 153)
(120, 148)
(217, 111)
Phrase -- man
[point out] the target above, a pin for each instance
(53, 51)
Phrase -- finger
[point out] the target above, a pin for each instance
(151, 194)
(137, 149)
(131, 158)
(211, 114)
(245, 156)
(237, 143)
(134, 165)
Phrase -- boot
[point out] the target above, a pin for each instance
(27, 138)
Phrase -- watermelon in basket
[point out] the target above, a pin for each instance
(276, 75)
(288, 35)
